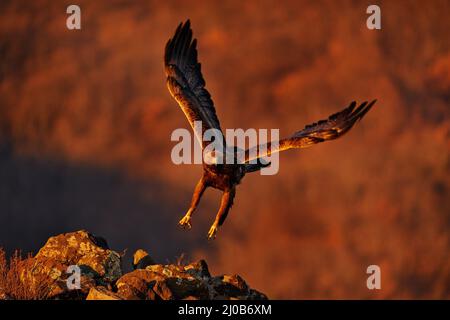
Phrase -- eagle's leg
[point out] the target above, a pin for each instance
(225, 206)
(185, 222)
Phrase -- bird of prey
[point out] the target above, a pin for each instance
(187, 86)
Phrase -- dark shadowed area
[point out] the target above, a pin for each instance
(85, 124)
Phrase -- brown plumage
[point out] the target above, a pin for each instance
(186, 84)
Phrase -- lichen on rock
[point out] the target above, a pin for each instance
(98, 264)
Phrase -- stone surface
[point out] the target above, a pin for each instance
(102, 279)
(101, 293)
(137, 284)
(98, 264)
(175, 282)
(86, 250)
(141, 259)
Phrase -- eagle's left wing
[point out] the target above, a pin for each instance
(332, 128)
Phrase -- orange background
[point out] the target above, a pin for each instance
(85, 124)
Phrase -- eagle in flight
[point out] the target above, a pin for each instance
(187, 86)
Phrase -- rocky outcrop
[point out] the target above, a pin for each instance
(62, 256)
(174, 282)
(79, 265)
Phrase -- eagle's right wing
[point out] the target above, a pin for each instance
(332, 128)
(185, 81)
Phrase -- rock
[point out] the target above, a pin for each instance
(141, 260)
(86, 250)
(175, 282)
(98, 264)
(179, 288)
(151, 295)
(45, 275)
(231, 286)
(198, 268)
(137, 284)
(163, 291)
(166, 282)
(101, 293)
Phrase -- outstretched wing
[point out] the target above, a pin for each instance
(332, 128)
(185, 81)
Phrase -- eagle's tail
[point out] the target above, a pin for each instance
(252, 167)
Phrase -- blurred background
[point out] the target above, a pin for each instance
(85, 124)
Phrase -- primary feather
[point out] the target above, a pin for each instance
(185, 81)
(323, 130)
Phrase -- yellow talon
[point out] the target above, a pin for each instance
(212, 231)
(185, 222)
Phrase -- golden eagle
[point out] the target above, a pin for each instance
(186, 84)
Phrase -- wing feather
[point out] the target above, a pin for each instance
(332, 128)
(185, 81)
